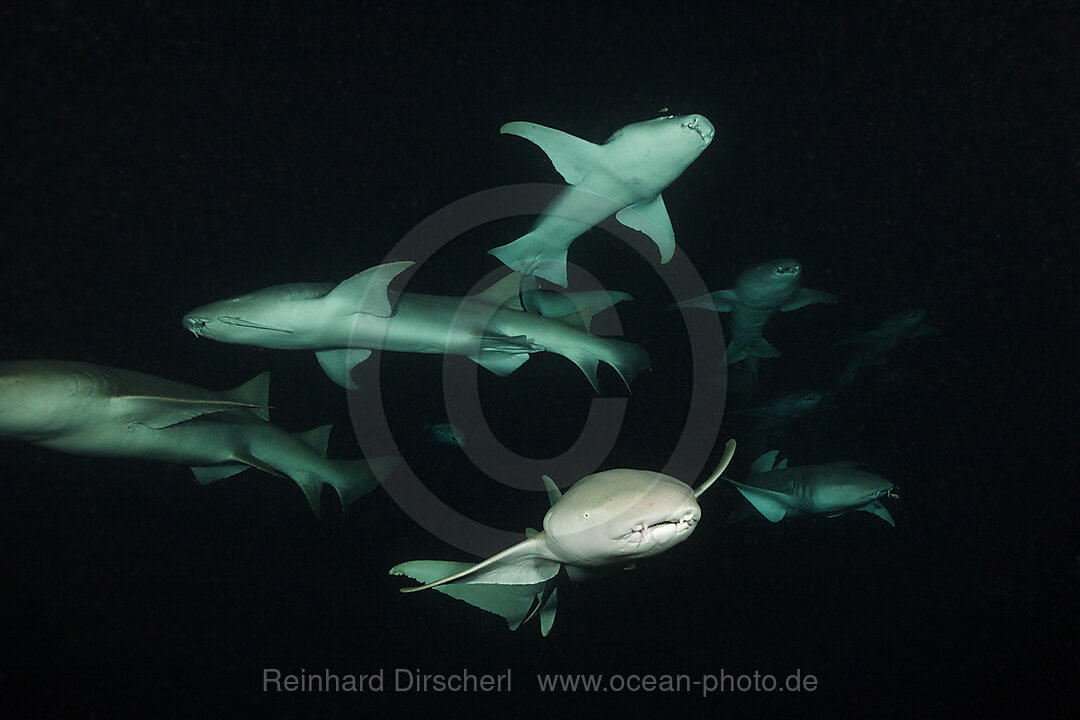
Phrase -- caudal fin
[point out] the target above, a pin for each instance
(355, 478)
(627, 358)
(529, 255)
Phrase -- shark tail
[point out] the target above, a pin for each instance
(737, 351)
(529, 255)
(352, 479)
(626, 358)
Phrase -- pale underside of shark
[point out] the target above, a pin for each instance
(604, 521)
(343, 324)
(759, 292)
(624, 176)
(777, 491)
(93, 410)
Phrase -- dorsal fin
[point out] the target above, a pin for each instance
(570, 155)
(316, 439)
(503, 292)
(366, 292)
(255, 391)
(764, 463)
(575, 308)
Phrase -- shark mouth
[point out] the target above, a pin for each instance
(195, 325)
(660, 533)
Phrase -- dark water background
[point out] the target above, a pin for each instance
(157, 157)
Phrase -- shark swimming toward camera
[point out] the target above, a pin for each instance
(606, 520)
(343, 324)
(87, 409)
(759, 292)
(777, 491)
(624, 176)
(873, 347)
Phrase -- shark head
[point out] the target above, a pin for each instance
(770, 281)
(840, 488)
(904, 322)
(620, 515)
(252, 318)
(679, 139)
(36, 398)
(796, 403)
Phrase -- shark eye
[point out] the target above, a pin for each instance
(236, 300)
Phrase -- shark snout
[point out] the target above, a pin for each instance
(700, 125)
(194, 324)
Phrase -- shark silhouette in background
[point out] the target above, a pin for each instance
(759, 292)
(873, 347)
(93, 410)
(777, 491)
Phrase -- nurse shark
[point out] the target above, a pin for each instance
(606, 520)
(88, 409)
(343, 324)
(624, 176)
(874, 347)
(777, 491)
(759, 292)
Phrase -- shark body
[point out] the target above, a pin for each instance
(785, 408)
(605, 520)
(759, 292)
(88, 409)
(343, 324)
(624, 176)
(777, 491)
(873, 347)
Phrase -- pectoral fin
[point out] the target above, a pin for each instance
(529, 562)
(720, 301)
(338, 364)
(768, 503)
(553, 492)
(651, 218)
(805, 296)
(213, 473)
(515, 603)
(876, 508)
(570, 155)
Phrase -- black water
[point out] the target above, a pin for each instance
(157, 157)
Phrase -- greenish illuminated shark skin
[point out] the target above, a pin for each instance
(604, 521)
(343, 324)
(785, 408)
(759, 292)
(874, 347)
(624, 176)
(777, 491)
(88, 409)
